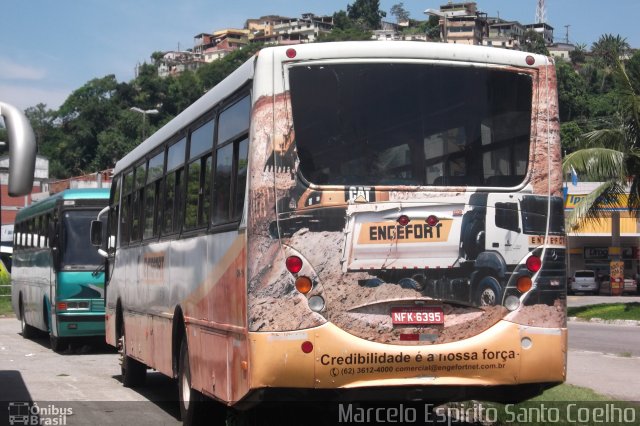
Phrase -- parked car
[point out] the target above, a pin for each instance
(630, 285)
(584, 281)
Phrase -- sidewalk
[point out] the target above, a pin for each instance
(620, 379)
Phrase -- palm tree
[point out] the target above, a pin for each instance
(608, 51)
(610, 156)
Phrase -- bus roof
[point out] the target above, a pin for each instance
(68, 194)
(384, 50)
(218, 93)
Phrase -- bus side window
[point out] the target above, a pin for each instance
(136, 205)
(173, 187)
(126, 207)
(198, 196)
(112, 223)
(241, 178)
(152, 194)
(231, 162)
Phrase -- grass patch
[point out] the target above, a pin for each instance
(567, 404)
(607, 311)
(5, 302)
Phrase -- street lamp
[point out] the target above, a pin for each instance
(443, 15)
(144, 113)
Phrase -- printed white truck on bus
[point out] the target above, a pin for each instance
(465, 247)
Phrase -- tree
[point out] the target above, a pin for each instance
(579, 54)
(572, 92)
(534, 43)
(610, 49)
(401, 14)
(612, 156)
(366, 13)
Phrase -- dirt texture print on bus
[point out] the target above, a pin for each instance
(418, 209)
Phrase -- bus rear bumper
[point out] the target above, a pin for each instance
(505, 356)
(80, 325)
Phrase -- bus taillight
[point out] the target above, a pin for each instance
(306, 347)
(304, 284)
(534, 263)
(294, 264)
(524, 284)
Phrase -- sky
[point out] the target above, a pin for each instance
(50, 48)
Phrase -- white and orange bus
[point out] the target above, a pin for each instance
(357, 220)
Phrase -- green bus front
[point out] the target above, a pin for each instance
(78, 289)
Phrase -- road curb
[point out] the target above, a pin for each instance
(603, 321)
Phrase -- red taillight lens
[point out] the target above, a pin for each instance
(534, 263)
(404, 220)
(294, 264)
(530, 60)
(432, 220)
(291, 53)
(306, 347)
(62, 306)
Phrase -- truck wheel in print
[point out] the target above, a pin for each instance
(489, 291)
(134, 373)
(28, 331)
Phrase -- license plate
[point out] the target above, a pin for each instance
(417, 315)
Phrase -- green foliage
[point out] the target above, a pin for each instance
(401, 14)
(534, 43)
(366, 13)
(607, 311)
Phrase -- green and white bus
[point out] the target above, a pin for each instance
(57, 281)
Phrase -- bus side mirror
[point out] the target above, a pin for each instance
(96, 233)
(22, 150)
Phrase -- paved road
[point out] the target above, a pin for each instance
(603, 357)
(584, 300)
(86, 380)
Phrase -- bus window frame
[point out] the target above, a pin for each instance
(234, 219)
(202, 225)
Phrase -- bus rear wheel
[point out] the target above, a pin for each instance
(27, 331)
(134, 373)
(195, 408)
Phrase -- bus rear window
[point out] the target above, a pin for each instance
(411, 124)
